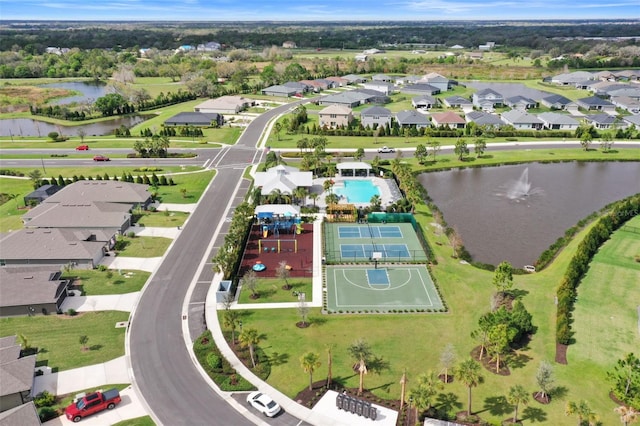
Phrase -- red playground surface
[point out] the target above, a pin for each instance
(265, 251)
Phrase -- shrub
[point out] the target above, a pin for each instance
(102, 268)
(131, 234)
(214, 361)
(44, 399)
(46, 414)
(71, 312)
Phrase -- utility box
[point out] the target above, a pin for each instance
(224, 288)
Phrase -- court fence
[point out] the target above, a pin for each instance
(404, 218)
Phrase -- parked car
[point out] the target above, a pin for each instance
(82, 148)
(263, 403)
(386, 149)
(101, 158)
(92, 403)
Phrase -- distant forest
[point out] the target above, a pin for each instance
(575, 36)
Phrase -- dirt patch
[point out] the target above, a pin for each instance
(23, 96)
(561, 353)
(541, 399)
(301, 324)
(490, 365)
(447, 379)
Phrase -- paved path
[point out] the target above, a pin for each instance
(148, 264)
(111, 302)
(70, 381)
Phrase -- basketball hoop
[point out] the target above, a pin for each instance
(376, 256)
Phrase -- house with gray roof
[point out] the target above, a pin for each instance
(521, 120)
(424, 102)
(380, 86)
(436, 80)
(350, 99)
(556, 121)
(335, 116)
(628, 75)
(16, 375)
(23, 415)
(225, 105)
(603, 121)
(420, 89)
(375, 116)
(407, 79)
(110, 218)
(375, 97)
(354, 78)
(631, 91)
(339, 81)
(412, 118)
(299, 86)
(112, 191)
(31, 290)
(487, 99)
(283, 178)
(52, 246)
(520, 102)
(631, 120)
(555, 101)
(570, 79)
(483, 118)
(199, 119)
(595, 103)
(457, 101)
(382, 77)
(625, 102)
(281, 90)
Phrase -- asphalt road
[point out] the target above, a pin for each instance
(164, 372)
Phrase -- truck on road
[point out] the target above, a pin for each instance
(92, 403)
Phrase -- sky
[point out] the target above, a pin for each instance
(315, 10)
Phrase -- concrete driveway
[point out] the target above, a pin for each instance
(111, 302)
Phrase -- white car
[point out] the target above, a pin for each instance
(263, 403)
(386, 149)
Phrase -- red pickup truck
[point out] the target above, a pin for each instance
(91, 404)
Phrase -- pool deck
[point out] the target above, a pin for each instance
(389, 192)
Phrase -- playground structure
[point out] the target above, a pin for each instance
(281, 245)
(274, 225)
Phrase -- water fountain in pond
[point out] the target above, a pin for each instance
(520, 188)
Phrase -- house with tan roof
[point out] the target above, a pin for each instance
(225, 105)
(335, 116)
(448, 119)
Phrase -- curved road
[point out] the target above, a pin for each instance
(164, 372)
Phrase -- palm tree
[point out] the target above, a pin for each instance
(469, 374)
(361, 352)
(310, 363)
(274, 196)
(36, 178)
(427, 388)
(300, 194)
(314, 196)
(517, 395)
(579, 409)
(375, 202)
(250, 338)
(627, 414)
(231, 321)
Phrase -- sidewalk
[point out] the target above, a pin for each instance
(69, 381)
(111, 302)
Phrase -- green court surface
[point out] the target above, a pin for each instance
(399, 288)
(351, 242)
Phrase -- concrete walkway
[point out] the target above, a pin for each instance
(173, 207)
(111, 302)
(148, 264)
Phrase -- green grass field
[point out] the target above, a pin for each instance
(270, 291)
(143, 246)
(163, 219)
(57, 337)
(95, 282)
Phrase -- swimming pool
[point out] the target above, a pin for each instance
(357, 191)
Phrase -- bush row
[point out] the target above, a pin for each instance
(620, 213)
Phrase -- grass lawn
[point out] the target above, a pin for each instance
(194, 183)
(166, 219)
(95, 282)
(56, 337)
(11, 210)
(416, 341)
(138, 421)
(143, 246)
(270, 291)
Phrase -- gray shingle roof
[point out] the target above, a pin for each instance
(556, 99)
(29, 285)
(377, 111)
(193, 118)
(555, 118)
(47, 244)
(484, 118)
(411, 117)
(23, 415)
(17, 375)
(594, 101)
(102, 190)
(520, 117)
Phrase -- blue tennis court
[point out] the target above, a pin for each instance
(365, 251)
(369, 232)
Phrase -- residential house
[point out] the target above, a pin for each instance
(354, 79)
(595, 103)
(326, 83)
(281, 90)
(283, 178)
(380, 86)
(289, 44)
(572, 78)
(225, 105)
(23, 415)
(556, 121)
(631, 91)
(112, 191)
(407, 79)
(520, 102)
(487, 99)
(625, 102)
(483, 118)
(375, 116)
(211, 46)
(412, 118)
(487, 46)
(361, 57)
(554, 101)
(350, 99)
(522, 120)
(457, 101)
(52, 246)
(40, 194)
(603, 121)
(308, 85)
(16, 375)
(448, 119)
(339, 81)
(199, 119)
(31, 290)
(335, 116)
(382, 77)
(628, 75)
(605, 76)
(631, 120)
(375, 97)
(436, 80)
(424, 102)
(420, 89)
